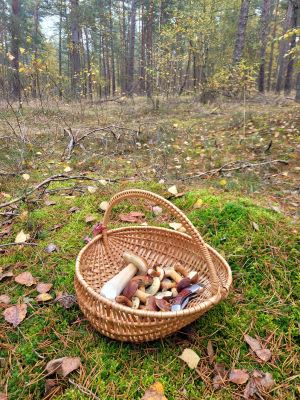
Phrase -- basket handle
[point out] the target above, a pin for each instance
(190, 229)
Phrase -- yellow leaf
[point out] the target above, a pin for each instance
(22, 237)
(190, 357)
(103, 206)
(26, 177)
(173, 190)
(10, 56)
(92, 189)
(67, 169)
(223, 182)
(44, 297)
(22, 50)
(198, 203)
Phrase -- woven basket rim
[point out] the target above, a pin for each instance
(143, 313)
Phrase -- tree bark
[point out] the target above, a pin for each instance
(270, 67)
(264, 30)
(283, 48)
(131, 47)
(88, 62)
(112, 50)
(60, 47)
(297, 98)
(15, 44)
(290, 61)
(75, 48)
(241, 30)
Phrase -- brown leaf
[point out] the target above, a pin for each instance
(255, 226)
(132, 217)
(259, 382)
(221, 375)
(155, 392)
(65, 299)
(43, 287)
(250, 389)
(49, 202)
(7, 274)
(63, 366)
(5, 299)
(3, 396)
(253, 343)
(73, 209)
(90, 218)
(190, 357)
(42, 297)
(238, 376)
(266, 382)
(210, 352)
(52, 389)
(25, 278)
(15, 314)
(6, 230)
(264, 354)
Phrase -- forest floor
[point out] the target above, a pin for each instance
(239, 165)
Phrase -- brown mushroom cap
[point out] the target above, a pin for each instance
(143, 280)
(139, 262)
(181, 269)
(124, 300)
(167, 284)
(162, 304)
(130, 289)
(151, 304)
(185, 282)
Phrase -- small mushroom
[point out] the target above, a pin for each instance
(157, 271)
(170, 272)
(135, 302)
(124, 300)
(174, 292)
(164, 295)
(137, 261)
(151, 304)
(180, 268)
(143, 280)
(194, 276)
(163, 305)
(185, 282)
(154, 288)
(167, 284)
(132, 289)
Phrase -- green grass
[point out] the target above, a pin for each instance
(262, 302)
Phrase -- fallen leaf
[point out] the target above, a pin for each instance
(7, 274)
(198, 203)
(68, 169)
(155, 392)
(264, 354)
(51, 248)
(90, 218)
(63, 366)
(238, 376)
(15, 314)
(87, 239)
(3, 396)
(43, 287)
(5, 299)
(156, 210)
(92, 189)
(25, 278)
(98, 229)
(255, 226)
(223, 182)
(6, 230)
(259, 382)
(220, 376)
(52, 388)
(22, 237)
(103, 205)
(49, 202)
(177, 226)
(190, 357)
(42, 297)
(102, 182)
(210, 352)
(73, 209)
(26, 177)
(132, 217)
(266, 382)
(65, 299)
(253, 343)
(173, 190)
(276, 209)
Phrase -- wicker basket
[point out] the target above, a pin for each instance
(101, 259)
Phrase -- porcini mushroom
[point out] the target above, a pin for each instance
(162, 304)
(135, 302)
(170, 272)
(132, 290)
(124, 300)
(185, 282)
(154, 288)
(164, 295)
(167, 284)
(151, 304)
(114, 286)
(194, 276)
(180, 268)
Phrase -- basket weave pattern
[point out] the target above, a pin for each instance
(102, 258)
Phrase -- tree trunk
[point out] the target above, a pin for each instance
(112, 50)
(149, 43)
(88, 62)
(283, 48)
(185, 77)
(131, 47)
(15, 44)
(264, 30)
(298, 87)
(290, 61)
(75, 48)
(241, 30)
(270, 67)
(60, 48)
(35, 80)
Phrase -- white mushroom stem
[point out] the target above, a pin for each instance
(170, 272)
(135, 302)
(154, 288)
(142, 295)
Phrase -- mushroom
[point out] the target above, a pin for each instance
(124, 300)
(135, 302)
(162, 304)
(179, 268)
(167, 284)
(114, 286)
(170, 272)
(132, 289)
(151, 304)
(164, 295)
(185, 282)
(194, 276)
(154, 288)
(174, 292)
